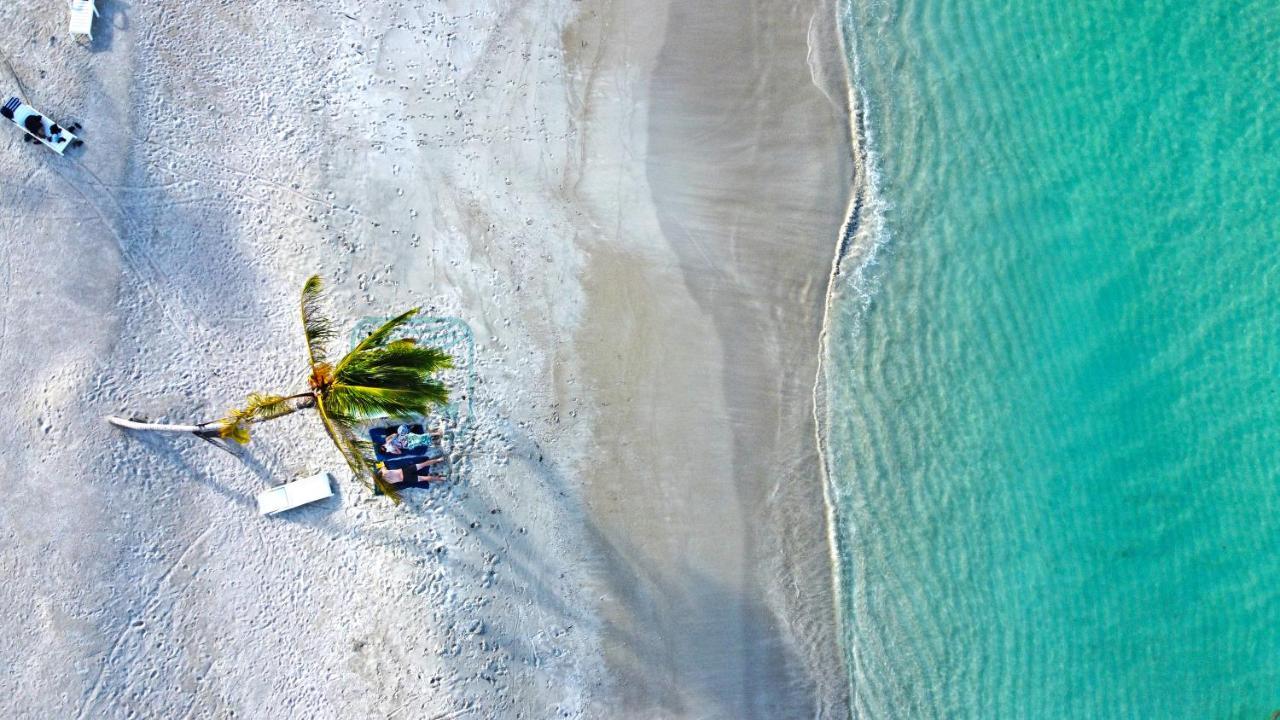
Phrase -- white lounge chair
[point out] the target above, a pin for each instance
(82, 14)
(294, 494)
(28, 118)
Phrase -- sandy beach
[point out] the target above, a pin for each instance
(633, 207)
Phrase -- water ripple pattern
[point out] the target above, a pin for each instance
(1052, 428)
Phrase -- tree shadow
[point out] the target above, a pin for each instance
(163, 448)
(662, 631)
(249, 459)
(657, 609)
(104, 26)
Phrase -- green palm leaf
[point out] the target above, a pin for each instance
(355, 452)
(405, 353)
(318, 329)
(379, 337)
(379, 378)
(394, 372)
(367, 402)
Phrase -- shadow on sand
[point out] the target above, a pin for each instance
(657, 608)
(111, 19)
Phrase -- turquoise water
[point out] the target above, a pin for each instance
(1053, 427)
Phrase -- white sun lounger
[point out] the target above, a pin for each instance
(82, 13)
(19, 112)
(294, 494)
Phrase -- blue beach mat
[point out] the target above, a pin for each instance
(378, 436)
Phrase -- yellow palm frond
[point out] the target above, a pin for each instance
(260, 407)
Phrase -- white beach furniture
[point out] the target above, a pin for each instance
(82, 14)
(294, 494)
(21, 114)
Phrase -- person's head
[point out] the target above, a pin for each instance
(34, 125)
(402, 430)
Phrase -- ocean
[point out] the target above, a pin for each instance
(1052, 393)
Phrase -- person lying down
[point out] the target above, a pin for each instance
(396, 477)
(403, 440)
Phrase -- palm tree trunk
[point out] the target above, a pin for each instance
(158, 427)
(301, 401)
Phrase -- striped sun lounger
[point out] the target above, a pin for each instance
(54, 136)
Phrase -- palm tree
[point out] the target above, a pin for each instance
(379, 377)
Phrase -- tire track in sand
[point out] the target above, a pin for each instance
(152, 601)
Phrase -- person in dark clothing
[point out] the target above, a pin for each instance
(34, 124)
(395, 477)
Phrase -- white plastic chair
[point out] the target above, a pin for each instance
(82, 14)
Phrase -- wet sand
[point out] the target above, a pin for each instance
(704, 307)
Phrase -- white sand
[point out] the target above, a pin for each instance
(636, 218)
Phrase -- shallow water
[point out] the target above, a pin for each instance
(1052, 428)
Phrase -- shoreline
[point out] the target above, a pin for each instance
(734, 220)
(869, 230)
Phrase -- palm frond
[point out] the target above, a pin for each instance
(363, 450)
(260, 407)
(354, 451)
(318, 328)
(381, 376)
(399, 354)
(362, 401)
(378, 337)
(393, 379)
(348, 423)
(386, 488)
